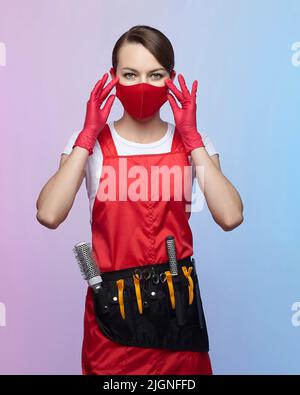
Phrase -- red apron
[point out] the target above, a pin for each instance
(127, 233)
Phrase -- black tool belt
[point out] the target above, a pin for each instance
(137, 307)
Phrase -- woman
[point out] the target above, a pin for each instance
(131, 233)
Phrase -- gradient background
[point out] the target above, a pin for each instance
(248, 102)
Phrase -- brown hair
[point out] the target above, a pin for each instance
(152, 39)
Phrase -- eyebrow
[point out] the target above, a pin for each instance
(130, 68)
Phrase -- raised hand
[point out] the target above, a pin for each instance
(95, 118)
(185, 117)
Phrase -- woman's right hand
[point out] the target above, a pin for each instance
(95, 118)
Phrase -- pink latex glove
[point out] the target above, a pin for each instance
(95, 118)
(185, 117)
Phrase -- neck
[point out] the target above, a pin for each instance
(141, 131)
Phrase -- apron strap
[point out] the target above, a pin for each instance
(106, 142)
(177, 145)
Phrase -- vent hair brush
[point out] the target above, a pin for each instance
(87, 265)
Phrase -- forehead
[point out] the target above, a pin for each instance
(136, 56)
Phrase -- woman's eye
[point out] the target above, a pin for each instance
(126, 74)
(160, 75)
(157, 75)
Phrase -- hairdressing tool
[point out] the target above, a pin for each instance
(137, 274)
(198, 297)
(155, 276)
(187, 273)
(163, 277)
(179, 301)
(137, 286)
(171, 249)
(146, 274)
(120, 286)
(87, 265)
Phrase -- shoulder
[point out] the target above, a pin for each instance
(207, 140)
(94, 161)
(70, 142)
(209, 144)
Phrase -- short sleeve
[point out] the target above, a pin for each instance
(69, 146)
(209, 146)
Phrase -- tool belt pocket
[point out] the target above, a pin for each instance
(148, 307)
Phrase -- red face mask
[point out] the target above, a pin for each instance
(141, 100)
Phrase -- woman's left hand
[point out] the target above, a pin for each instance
(185, 117)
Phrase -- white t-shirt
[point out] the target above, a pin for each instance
(126, 147)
